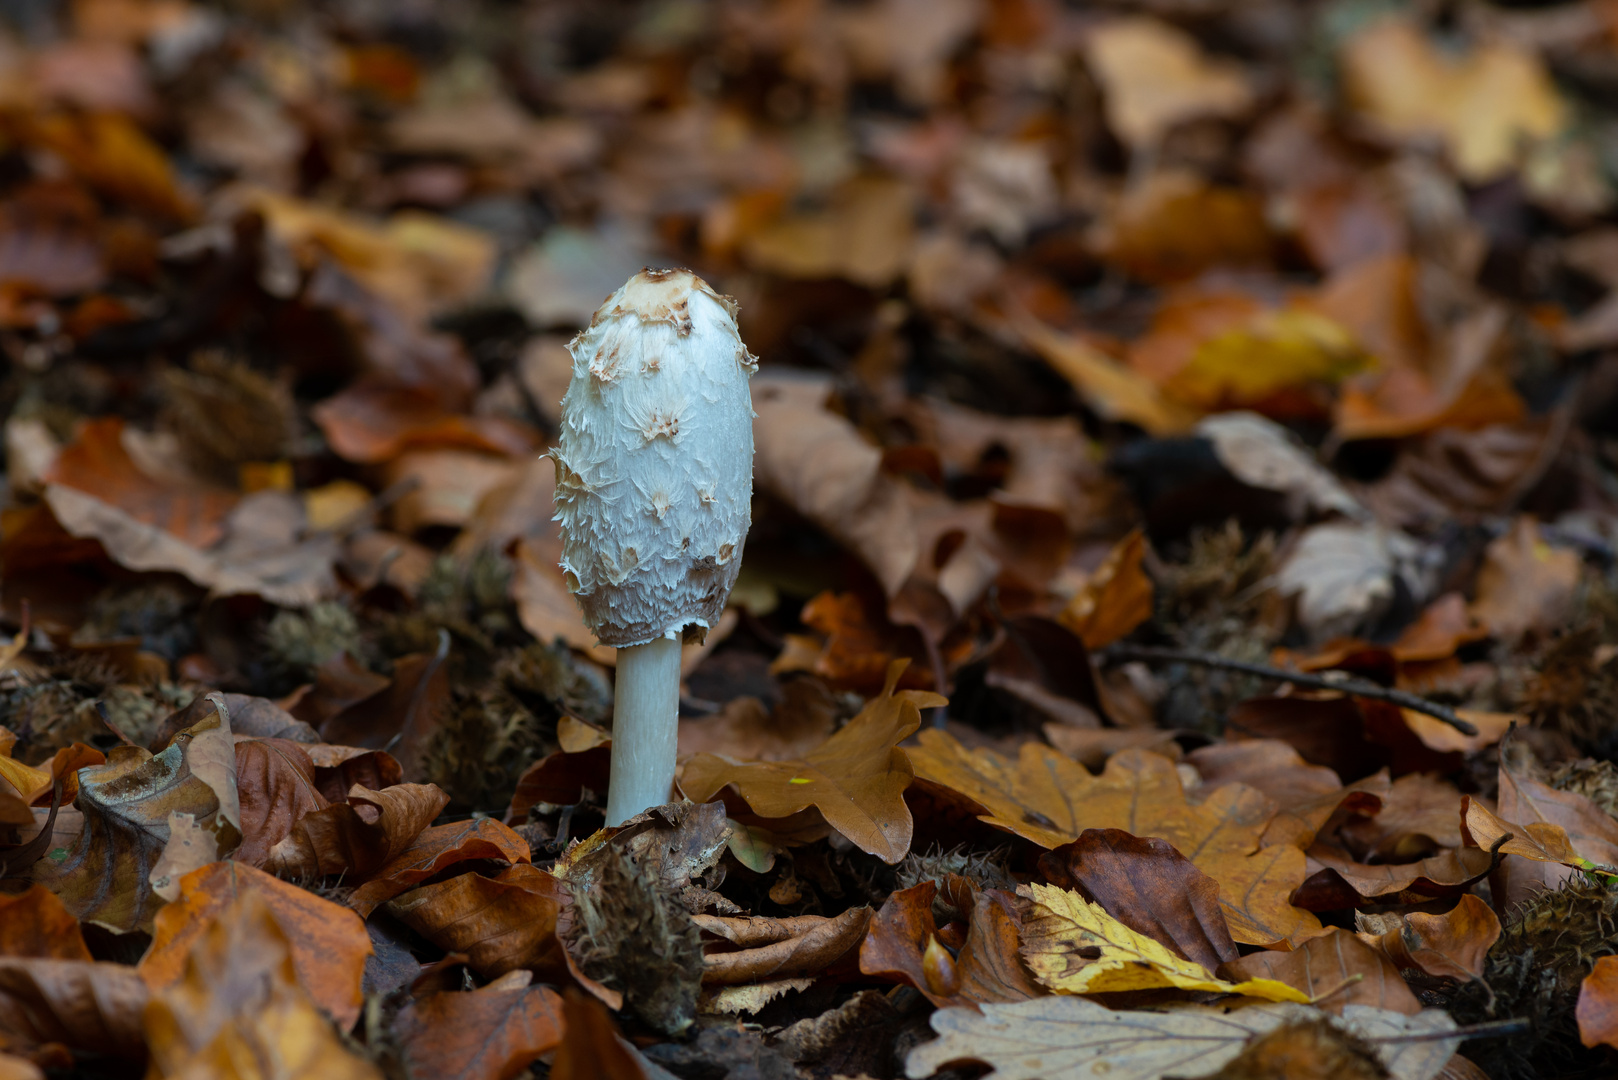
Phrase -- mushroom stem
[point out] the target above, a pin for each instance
(645, 727)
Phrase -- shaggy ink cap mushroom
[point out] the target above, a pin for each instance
(654, 486)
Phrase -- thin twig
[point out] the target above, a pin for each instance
(1345, 684)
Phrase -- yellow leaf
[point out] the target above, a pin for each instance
(1114, 391)
(1276, 351)
(1064, 926)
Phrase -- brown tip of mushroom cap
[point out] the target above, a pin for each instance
(660, 296)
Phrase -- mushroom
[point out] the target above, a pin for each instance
(654, 489)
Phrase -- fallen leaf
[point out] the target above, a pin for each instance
(1149, 887)
(1343, 574)
(357, 837)
(1115, 599)
(110, 153)
(1554, 830)
(1452, 946)
(856, 779)
(328, 942)
(1597, 1010)
(1115, 391)
(403, 717)
(1050, 799)
(1065, 1037)
(501, 923)
(1263, 454)
(591, 1048)
(491, 1033)
(1173, 224)
(339, 768)
(1153, 76)
(988, 966)
(1448, 873)
(1525, 584)
(863, 235)
(1416, 806)
(239, 1001)
(276, 780)
(83, 1005)
(372, 422)
(1267, 360)
(820, 465)
(807, 945)
(435, 849)
(1337, 969)
(1064, 929)
(35, 924)
(107, 877)
(1482, 105)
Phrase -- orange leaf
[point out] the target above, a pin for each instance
(502, 923)
(486, 1034)
(591, 1047)
(856, 779)
(1597, 1010)
(35, 923)
(328, 942)
(1116, 598)
(1326, 965)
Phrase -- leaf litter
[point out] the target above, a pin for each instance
(1171, 423)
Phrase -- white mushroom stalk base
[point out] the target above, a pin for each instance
(645, 727)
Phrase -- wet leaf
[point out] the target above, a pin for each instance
(490, 1033)
(856, 779)
(328, 942)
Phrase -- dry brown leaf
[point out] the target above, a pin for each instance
(1114, 391)
(1554, 830)
(501, 923)
(435, 849)
(864, 235)
(1445, 874)
(108, 876)
(1115, 599)
(1173, 224)
(1049, 799)
(591, 1048)
(856, 779)
(1525, 584)
(1482, 105)
(988, 966)
(35, 924)
(1325, 967)
(1453, 945)
(1597, 1010)
(357, 837)
(276, 781)
(83, 1005)
(820, 465)
(490, 1033)
(811, 945)
(1154, 76)
(403, 717)
(329, 945)
(238, 1011)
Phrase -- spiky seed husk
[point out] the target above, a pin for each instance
(632, 935)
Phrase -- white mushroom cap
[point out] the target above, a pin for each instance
(654, 466)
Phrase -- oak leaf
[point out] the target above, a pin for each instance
(1064, 929)
(856, 779)
(328, 943)
(1050, 799)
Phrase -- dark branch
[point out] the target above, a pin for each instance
(1152, 654)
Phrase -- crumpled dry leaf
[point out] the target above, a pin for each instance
(357, 837)
(678, 843)
(501, 923)
(1064, 1037)
(1064, 929)
(1154, 76)
(1050, 799)
(107, 878)
(856, 779)
(1554, 830)
(328, 943)
(988, 965)
(771, 949)
(489, 1033)
(820, 465)
(80, 1004)
(238, 1010)
(1115, 599)
(1343, 574)
(435, 849)
(276, 780)
(1453, 945)
(1483, 105)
